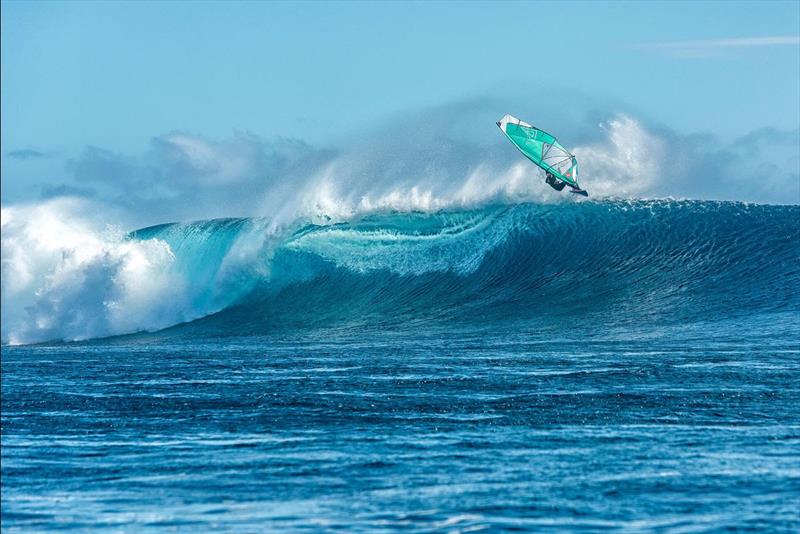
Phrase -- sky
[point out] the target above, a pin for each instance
(108, 85)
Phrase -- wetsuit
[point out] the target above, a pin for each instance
(551, 180)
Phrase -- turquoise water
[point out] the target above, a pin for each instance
(591, 366)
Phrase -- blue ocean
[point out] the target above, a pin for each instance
(603, 365)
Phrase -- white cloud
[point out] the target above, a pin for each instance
(734, 42)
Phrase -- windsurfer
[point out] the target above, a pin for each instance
(544, 151)
(556, 184)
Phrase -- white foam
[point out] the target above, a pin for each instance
(67, 277)
(626, 163)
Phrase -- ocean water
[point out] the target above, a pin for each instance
(584, 366)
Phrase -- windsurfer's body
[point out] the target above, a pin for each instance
(554, 182)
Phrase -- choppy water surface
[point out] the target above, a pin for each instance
(630, 365)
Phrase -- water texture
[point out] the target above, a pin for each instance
(589, 366)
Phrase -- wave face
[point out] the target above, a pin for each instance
(550, 266)
(574, 265)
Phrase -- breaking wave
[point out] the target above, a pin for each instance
(572, 264)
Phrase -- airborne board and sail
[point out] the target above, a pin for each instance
(545, 151)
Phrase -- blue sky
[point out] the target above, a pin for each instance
(115, 75)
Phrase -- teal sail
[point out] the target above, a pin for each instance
(542, 149)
